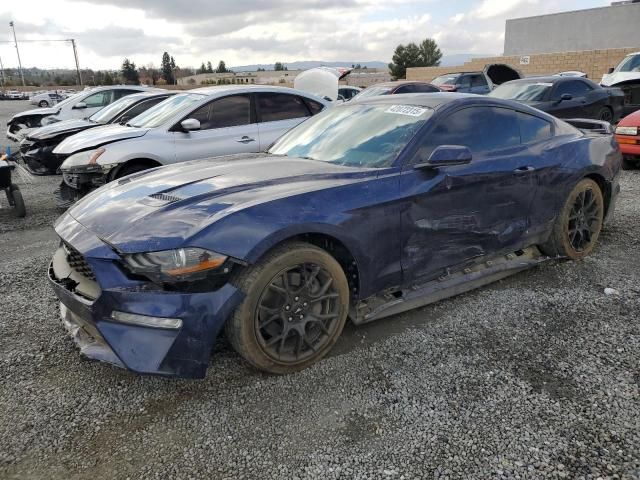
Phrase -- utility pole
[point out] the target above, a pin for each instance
(2, 74)
(75, 55)
(17, 51)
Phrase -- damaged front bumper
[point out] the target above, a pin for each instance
(77, 183)
(91, 285)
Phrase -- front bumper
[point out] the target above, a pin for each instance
(76, 184)
(40, 159)
(86, 309)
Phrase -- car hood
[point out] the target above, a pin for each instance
(97, 136)
(610, 79)
(59, 128)
(44, 112)
(163, 208)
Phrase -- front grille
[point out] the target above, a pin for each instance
(77, 262)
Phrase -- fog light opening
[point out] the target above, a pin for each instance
(146, 321)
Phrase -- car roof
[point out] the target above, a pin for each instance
(154, 93)
(549, 79)
(439, 100)
(219, 90)
(398, 83)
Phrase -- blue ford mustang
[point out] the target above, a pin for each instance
(366, 210)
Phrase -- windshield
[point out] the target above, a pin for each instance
(445, 80)
(629, 64)
(108, 113)
(522, 91)
(163, 111)
(368, 136)
(374, 92)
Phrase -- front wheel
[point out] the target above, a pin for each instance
(43, 104)
(296, 305)
(577, 227)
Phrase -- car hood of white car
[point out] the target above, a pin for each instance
(95, 137)
(59, 128)
(610, 79)
(37, 111)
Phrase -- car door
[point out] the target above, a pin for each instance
(277, 114)
(454, 215)
(576, 106)
(463, 84)
(479, 84)
(227, 126)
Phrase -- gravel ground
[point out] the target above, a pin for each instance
(536, 376)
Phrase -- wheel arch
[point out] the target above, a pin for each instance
(148, 162)
(604, 188)
(342, 250)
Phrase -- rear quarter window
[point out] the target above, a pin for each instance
(532, 128)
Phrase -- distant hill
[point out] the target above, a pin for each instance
(447, 61)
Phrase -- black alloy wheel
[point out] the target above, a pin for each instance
(298, 312)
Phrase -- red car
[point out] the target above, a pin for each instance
(628, 136)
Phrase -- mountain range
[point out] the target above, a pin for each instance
(446, 61)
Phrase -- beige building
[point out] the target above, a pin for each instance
(269, 77)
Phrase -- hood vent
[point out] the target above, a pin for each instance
(160, 199)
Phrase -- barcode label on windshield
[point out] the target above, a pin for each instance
(406, 110)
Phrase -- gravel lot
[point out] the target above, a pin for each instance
(537, 376)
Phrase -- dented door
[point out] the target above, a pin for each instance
(457, 214)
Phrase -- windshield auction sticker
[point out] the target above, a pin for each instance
(406, 110)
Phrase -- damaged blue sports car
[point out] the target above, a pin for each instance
(366, 210)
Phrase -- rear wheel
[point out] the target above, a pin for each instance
(605, 114)
(295, 308)
(18, 201)
(43, 103)
(579, 223)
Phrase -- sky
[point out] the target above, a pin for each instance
(242, 32)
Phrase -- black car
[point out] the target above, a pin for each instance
(37, 147)
(565, 97)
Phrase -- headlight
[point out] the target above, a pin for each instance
(81, 159)
(175, 265)
(627, 130)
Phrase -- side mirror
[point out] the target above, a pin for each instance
(447, 155)
(566, 96)
(611, 70)
(80, 105)
(190, 124)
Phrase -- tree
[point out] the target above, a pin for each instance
(411, 55)
(209, 68)
(430, 53)
(222, 68)
(166, 68)
(202, 69)
(107, 79)
(279, 67)
(129, 73)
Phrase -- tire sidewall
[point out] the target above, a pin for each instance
(246, 313)
(583, 185)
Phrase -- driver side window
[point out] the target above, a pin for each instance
(99, 99)
(481, 129)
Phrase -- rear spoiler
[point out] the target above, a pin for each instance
(588, 125)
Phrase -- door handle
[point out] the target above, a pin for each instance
(246, 139)
(525, 169)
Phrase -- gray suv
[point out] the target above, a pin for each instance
(479, 83)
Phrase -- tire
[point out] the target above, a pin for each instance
(43, 104)
(605, 114)
(577, 227)
(629, 164)
(18, 202)
(277, 329)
